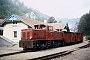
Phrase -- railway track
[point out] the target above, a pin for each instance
(43, 54)
(2, 55)
(85, 46)
(52, 56)
(60, 53)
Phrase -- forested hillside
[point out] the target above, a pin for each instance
(8, 7)
(84, 24)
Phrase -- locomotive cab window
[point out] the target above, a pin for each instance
(15, 34)
(41, 26)
(50, 28)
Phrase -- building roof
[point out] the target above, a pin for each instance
(57, 25)
(29, 21)
(25, 20)
(1, 20)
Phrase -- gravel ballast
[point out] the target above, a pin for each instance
(82, 54)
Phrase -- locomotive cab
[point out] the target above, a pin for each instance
(45, 27)
(35, 38)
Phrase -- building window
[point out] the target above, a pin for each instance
(1, 32)
(15, 34)
(14, 22)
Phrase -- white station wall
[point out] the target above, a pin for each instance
(9, 28)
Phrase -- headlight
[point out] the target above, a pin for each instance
(30, 37)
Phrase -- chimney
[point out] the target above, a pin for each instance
(45, 20)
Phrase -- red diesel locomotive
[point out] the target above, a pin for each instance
(44, 37)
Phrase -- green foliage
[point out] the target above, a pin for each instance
(84, 24)
(8, 7)
(51, 20)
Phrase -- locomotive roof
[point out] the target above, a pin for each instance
(33, 22)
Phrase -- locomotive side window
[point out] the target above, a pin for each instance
(50, 28)
(39, 26)
(42, 26)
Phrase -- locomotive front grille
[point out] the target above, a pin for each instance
(26, 43)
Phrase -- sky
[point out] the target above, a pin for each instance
(60, 8)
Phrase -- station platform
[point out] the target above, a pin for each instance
(10, 49)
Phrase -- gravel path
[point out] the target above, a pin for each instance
(82, 54)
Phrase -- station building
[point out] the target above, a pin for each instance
(12, 26)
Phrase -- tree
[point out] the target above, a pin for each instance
(84, 24)
(8, 7)
(51, 20)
